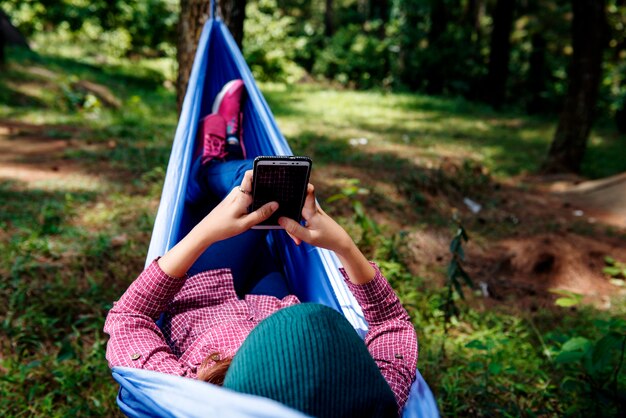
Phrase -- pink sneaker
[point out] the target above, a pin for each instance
(228, 105)
(212, 130)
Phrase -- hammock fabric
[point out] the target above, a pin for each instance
(312, 273)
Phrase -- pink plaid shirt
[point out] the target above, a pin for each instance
(204, 316)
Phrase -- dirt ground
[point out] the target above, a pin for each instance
(567, 226)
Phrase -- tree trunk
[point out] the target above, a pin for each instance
(438, 24)
(473, 13)
(233, 13)
(379, 9)
(9, 35)
(410, 17)
(193, 15)
(329, 17)
(500, 52)
(537, 73)
(589, 37)
(2, 58)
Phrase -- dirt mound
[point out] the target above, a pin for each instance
(525, 269)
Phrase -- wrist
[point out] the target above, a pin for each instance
(345, 247)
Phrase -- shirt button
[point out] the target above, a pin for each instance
(135, 356)
(215, 357)
(399, 356)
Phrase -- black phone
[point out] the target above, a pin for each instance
(281, 179)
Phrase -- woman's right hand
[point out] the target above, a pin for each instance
(322, 231)
(319, 230)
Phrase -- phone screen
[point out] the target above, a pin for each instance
(283, 181)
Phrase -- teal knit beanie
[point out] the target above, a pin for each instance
(309, 357)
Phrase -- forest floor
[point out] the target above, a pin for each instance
(80, 183)
(551, 232)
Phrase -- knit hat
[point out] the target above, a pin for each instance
(309, 358)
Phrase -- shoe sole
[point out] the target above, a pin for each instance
(220, 96)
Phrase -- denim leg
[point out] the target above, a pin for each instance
(215, 179)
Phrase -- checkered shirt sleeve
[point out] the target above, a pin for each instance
(391, 338)
(135, 340)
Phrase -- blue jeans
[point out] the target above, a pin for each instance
(247, 255)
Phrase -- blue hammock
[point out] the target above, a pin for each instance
(146, 393)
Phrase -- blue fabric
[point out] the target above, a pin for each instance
(312, 273)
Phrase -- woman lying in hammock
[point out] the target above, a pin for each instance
(232, 321)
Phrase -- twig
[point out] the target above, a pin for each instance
(543, 344)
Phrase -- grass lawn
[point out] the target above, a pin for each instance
(83, 184)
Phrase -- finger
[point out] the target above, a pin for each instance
(261, 214)
(295, 229)
(309, 204)
(246, 183)
(295, 239)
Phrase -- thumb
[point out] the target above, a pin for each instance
(261, 213)
(294, 229)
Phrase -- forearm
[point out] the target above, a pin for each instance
(177, 261)
(391, 338)
(357, 267)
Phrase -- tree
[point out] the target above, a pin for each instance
(589, 36)
(193, 15)
(2, 59)
(474, 10)
(9, 35)
(409, 16)
(329, 17)
(439, 17)
(500, 52)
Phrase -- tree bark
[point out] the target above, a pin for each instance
(233, 13)
(589, 38)
(329, 18)
(193, 15)
(537, 73)
(473, 13)
(9, 35)
(379, 9)
(500, 52)
(410, 17)
(2, 57)
(438, 23)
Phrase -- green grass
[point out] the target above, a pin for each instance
(409, 125)
(68, 249)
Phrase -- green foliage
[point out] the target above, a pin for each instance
(567, 299)
(454, 275)
(267, 46)
(119, 26)
(355, 55)
(615, 270)
(592, 366)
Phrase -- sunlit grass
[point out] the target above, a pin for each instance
(507, 144)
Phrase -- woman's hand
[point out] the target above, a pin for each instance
(226, 220)
(231, 216)
(319, 230)
(322, 231)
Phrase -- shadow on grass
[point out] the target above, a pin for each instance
(606, 155)
(37, 210)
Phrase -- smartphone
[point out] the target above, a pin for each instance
(281, 179)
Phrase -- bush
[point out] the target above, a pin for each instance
(355, 54)
(268, 47)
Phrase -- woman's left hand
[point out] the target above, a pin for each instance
(231, 216)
